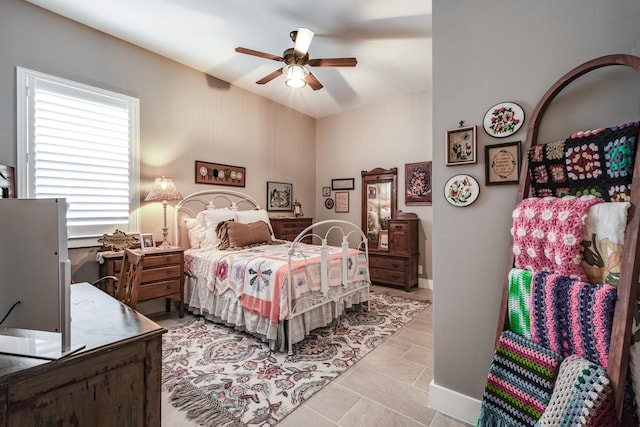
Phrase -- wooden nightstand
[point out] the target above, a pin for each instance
(289, 228)
(162, 274)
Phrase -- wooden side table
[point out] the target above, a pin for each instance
(162, 274)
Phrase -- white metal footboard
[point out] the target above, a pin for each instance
(336, 229)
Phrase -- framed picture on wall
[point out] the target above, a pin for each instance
(279, 196)
(7, 182)
(342, 201)
(461, 146)
(219, 174)
(502, 163)
(417, 183)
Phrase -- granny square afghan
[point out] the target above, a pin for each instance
(582, 396)
(519, 384)
(597, 162)
(572, 317)
(547, 234)
(519, 300)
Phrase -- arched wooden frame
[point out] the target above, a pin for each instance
(625, 305)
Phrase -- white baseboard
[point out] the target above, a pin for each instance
(425, 283)
(454, 404)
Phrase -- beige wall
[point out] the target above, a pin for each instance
(484, 53)
(185, 115)
(387, 135)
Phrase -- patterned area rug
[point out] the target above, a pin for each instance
(226, 378)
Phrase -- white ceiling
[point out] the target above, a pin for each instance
(390, 39)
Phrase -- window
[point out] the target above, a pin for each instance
(81, 143)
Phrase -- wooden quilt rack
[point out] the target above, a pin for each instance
(626, 302)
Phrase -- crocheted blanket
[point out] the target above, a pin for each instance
(519, 384)
(598, 162)
(519, 300)
(547, 234)
(582, 396)
(572, 317)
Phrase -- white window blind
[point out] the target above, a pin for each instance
(80, 143)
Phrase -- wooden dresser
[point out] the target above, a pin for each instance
(115, 380)
(289, 228)
(397, 266)
(162, 274)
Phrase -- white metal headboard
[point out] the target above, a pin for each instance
(191, 205)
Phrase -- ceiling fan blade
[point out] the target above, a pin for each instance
(302, 42)
(333, 62)
(313, 82)
(268, 78)
(258, 53)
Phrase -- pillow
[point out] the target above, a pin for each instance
(212, 218)
(197, 231)
(233, 234)
(603, 242)
(247, 217)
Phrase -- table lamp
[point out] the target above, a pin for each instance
(163, 190)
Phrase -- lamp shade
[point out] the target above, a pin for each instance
(295, 75)
(163, 189)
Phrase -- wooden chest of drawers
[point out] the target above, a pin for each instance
(398, 266)
(289, 228)
(162, 274)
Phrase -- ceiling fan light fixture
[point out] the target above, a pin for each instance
(295, 75)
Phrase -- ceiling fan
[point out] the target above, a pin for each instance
(296, 59)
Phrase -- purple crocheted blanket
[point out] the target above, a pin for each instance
(572, 317)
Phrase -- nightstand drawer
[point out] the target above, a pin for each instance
(159, 289)
(401, 227)
(387, 263)
(163, 273)
(151, 261)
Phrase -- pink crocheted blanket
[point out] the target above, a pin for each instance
(547, 234)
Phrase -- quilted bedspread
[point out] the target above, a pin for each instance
(259, 275)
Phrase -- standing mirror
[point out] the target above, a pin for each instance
(379, 204)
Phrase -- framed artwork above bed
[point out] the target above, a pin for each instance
(279, 196)
(219, 174)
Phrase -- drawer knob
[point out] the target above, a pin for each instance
(395, 265)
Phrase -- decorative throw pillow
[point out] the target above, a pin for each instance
(253, 215)
(582, 396)
(197, 231)
(603, 242)
(233, 234)
(213, 217)
(519, 384)
(547, 234)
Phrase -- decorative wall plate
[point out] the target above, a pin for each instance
(503, 119)
(328, 203)
(461, 190)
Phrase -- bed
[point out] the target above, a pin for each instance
(239, 274)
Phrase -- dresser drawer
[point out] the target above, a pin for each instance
(387, 263)
(151, 261)
(387, 276)
(159, 289)
(400, 227)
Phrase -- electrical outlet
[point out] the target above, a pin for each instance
(419, 269)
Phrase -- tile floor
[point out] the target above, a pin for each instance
(387, 387)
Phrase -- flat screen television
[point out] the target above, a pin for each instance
(34, 277)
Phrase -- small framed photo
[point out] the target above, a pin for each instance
(418, 183)
(279, 196)
(383, 239)
(342, 201)
(146, 241)
(7, 182)
(461, 146)
(343, 184)
(502, 163)
(326, 191)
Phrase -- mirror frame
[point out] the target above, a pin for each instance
(375, 176)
